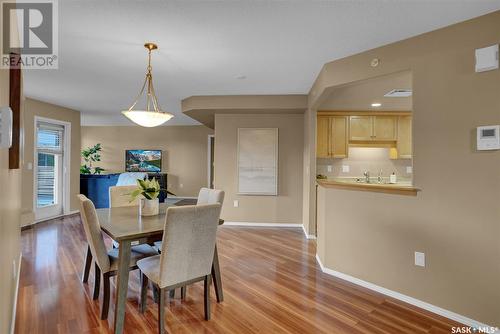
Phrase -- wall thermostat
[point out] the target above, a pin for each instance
(488, 137)
(5, 127)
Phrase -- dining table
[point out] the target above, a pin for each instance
(125, 225)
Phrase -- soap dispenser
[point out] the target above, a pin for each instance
(393, 178)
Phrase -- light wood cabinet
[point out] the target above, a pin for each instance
(404, 144)
(373, 128)
(323, 137)
(331, 137)
(384, 127)
(336, 131)
(361, 128)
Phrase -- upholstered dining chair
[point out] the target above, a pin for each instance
(207, 196)
(106, 262)
(186, 255)
(119, 196)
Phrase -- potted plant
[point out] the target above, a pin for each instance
(89, 155)
(149, 191)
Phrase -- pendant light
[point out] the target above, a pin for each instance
(148, 117)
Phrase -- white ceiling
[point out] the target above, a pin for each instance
(280, 46)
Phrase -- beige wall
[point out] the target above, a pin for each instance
(455, 219)
(41, 109)
(10, 211)
(185, 151)
(284, 208)
(360, 95)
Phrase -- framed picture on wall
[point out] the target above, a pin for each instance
(258, 161)
(143, 160)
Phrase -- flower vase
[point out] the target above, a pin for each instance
(149, 207)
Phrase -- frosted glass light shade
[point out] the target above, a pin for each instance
(147, 119)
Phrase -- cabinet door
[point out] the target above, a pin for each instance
(323, 137)
(360, 128)
(404, 144)
(339, 136)
(384, 128)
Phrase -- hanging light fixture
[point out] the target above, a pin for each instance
(148, 118)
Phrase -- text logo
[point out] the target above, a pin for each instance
(29, 34)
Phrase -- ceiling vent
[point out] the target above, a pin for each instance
(399, 93)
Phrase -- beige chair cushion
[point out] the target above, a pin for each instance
(119, 196)
(137, 253)
(188, 245)
(93, 233)
(210, 196)
(205, 196)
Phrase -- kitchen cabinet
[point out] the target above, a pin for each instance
(332, 137)
(373, 128)
(361, 128)
(404, 145)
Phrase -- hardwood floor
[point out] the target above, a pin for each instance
(272, 284)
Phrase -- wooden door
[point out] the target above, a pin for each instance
(323, 137)
(360, 128)
(339, 127)
(384, 128)
(404, 144)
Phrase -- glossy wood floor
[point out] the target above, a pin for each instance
(272, 284)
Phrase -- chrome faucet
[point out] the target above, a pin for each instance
(367, 176)
(379, 178)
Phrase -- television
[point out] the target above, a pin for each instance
(143, 161)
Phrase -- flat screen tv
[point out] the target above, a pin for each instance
(143, 160)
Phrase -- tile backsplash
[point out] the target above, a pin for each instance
(365, 158)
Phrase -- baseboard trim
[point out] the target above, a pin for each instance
(28, 226)
(407, 299)
(16, 293)
(254, 224)
(308, 236)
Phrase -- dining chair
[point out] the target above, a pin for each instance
(186, 256)
(106, 262)
(119, 196)
(207, 196)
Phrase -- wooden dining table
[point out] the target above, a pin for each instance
(125, 225)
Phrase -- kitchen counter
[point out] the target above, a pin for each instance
(400, 188)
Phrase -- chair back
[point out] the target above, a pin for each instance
(210, 196)
(93, 233)
(188, 243)
(119, 196)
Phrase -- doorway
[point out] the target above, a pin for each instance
(211, 167)
(51, 168)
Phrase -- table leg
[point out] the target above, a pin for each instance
(122, 285)
(216, 277)
(88, 263)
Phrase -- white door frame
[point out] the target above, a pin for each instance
(66, 163)
(208, 159)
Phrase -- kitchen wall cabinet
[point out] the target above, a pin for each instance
(404, 144)
(332, 137)
(361, 128)
(337, 130)
(373, 128)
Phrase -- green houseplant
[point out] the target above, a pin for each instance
(90, 155)
(149, 190)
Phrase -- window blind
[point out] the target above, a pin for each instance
(50, 137)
